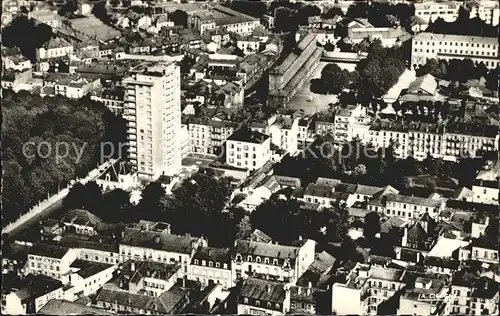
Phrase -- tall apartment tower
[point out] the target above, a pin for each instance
(153, 113)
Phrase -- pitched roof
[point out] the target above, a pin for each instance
(36, 286)
(63, 307)
(166, 242)
(82, 217)
(259, 236)
(263, 290)
(48, 250)
(86, 269)
(427, 82)
(246, 247)
(221, 255)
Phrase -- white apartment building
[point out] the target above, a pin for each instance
(16, 62)
(55, 47)
(272, 261)
(406, 207)
(248, 149)
(485, 186)
(153, 113)
(365, 288)
(469, 295)
(86, 278)
(486, 10)
(76, 87)
(420, 139)
(425, 297)
(92, 250)
(30, 299)
(160, 247)
(211, 264)
(223, 17)
(50, 260)
(208, 136)
(427, 46)
(350, 123)
(431, 10)
(263, 297)
(284, 133)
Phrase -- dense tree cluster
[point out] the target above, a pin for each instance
(253, 8)
(290, 16)
(379, 13)
(333, 80)
(328, 225)
(197, 206)
(464, 25)
(26, 35)
(378, 72)
(454, 70)
(74, 127)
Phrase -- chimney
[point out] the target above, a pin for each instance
(209, 252)
(298, 290)
(268, 288)
(300, 238)
(157, 239)
(147, 226)
(123, 233)
(309, 285)
(184, 281)
(188, 235)
(132, 266)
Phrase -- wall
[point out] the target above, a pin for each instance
(38, 209)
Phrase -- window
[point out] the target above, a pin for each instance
(257, 259)
(249, 258)
(195, 261)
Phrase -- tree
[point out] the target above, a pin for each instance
(151, 196)
(329, 47)
(93, 196)
(244, 228)
(360, 170)
(429, 186)
(26, 35)
(333, 12)
(118, 199)
(76, 197)
(256, 9)
(348, 249)
(372, 225)
(179, 17)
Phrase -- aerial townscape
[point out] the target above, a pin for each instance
(250, 157)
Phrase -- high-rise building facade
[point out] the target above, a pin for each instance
(153, 113)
